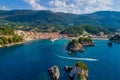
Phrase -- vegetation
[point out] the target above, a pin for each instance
(81, 65)
(7, 36)
(115, 38)
(81, 40)
(73, 31)
(8, 40)
(76, 45)
(78, 30)
(74, 41)
(6, 31)
(80, 76)
(95, 29)
(46, 19)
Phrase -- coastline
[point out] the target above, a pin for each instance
(31, 36)
(91, 38)
(100, 39)
(12, 44)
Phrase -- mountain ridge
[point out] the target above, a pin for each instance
(110, 19)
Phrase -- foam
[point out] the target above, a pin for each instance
(73, 58)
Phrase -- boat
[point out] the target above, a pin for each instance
(53, 39)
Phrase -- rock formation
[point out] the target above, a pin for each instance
(77, 45)
(54, 72)
(86, 41)
(74, 46)
(115, 38)
(109, 43)
(77, 72)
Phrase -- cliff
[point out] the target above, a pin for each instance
(54, 72)
(115, 38)
(77, 45)
(86, 41)
(77, 72)
(74, 46)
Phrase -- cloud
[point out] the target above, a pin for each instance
(62, 6)
(35, 4)
(3, 8)
(95, 5)
(80, 6)
(72, 6)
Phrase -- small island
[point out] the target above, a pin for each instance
(54, 72)
(74, 46)
(110, 43)
(77, 72)
(77, 45)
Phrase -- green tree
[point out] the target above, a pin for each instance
(1, 42)
(5, 40)
(81, 65)
(6, 31)
(10, 40)
(17, 38)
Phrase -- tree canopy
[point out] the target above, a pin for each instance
(6, 31)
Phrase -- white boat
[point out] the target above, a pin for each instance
(54, 39)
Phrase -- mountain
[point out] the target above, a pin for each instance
(103, 18)
(109, 19)
(35, 17)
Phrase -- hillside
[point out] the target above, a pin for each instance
(8, 37)
(109, 19)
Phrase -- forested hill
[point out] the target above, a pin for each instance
(109, 19)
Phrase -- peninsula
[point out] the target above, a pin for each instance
(8, 37)
(115, 38)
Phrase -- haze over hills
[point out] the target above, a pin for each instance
(109, 19)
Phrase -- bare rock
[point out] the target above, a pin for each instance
(54, 72)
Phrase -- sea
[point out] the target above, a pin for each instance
(31, 60)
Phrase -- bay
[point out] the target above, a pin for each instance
(31, 60)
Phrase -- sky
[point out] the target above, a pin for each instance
(66, 6)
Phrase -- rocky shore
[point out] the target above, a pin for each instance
(110, 43)
(77, 45)
(11, 44)
(86, 41)
(74, 46)
(88, 44)
(32, 35)
(77, 72)
(115, 38)
(54, 72)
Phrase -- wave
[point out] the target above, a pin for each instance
(73, 58)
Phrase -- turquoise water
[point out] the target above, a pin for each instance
(30, 61)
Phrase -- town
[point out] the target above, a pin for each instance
(32, 35)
